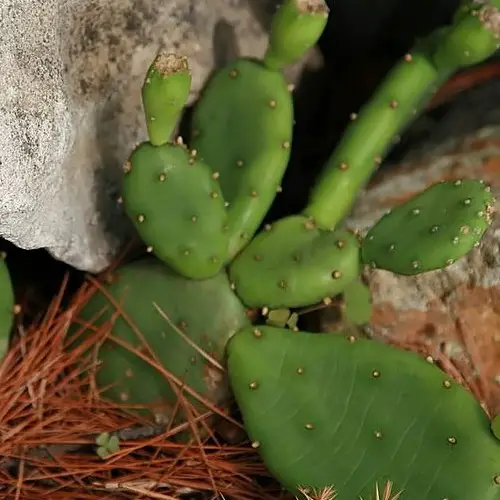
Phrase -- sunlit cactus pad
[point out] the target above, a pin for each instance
(124, 376)
(178, 209)
(329, 410)
(293, 263)
(242, 127)
(432, 230)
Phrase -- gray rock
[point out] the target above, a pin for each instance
(71, 110)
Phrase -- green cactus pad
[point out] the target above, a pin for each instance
(164, 94)
(328, 410)
(295, 264)
(432, 230)
(296, 27)
(6, 306)
(177, 206)
(207, 312)
(242, 127)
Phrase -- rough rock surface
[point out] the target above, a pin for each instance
(453, 312)
(71, 110)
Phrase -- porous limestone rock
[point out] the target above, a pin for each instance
(71, 112)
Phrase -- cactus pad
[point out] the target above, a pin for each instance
(164, 94)
(296, 27)
(472, 37)
(432, 230)
(6, 306)
(207, 312)
(295, 264)
(242, 128)
(330, 410)
(178, 209)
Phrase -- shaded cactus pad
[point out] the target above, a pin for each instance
(432, 230)
(357, 303)
(6, 306)
(330, 410)
(293, 263)
(178, 209)
(242, 128)
(207, 312)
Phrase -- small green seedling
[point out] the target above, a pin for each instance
(107, 444)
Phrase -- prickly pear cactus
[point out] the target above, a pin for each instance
(198, 210)
(6, 306)
(327, 410)
(294, 264)
(432, 230)
(178, 209)
(206, 312)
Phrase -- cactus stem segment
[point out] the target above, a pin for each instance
(471, 38)
(164, 94)
(296, 27)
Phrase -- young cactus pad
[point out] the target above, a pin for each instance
(296, 27)
(331, 410)
(432, 230)
(207, 312)
(472, 37)
(6, 306)
(242, 128)
(293, 264)
(164, 94)
(178, 209)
